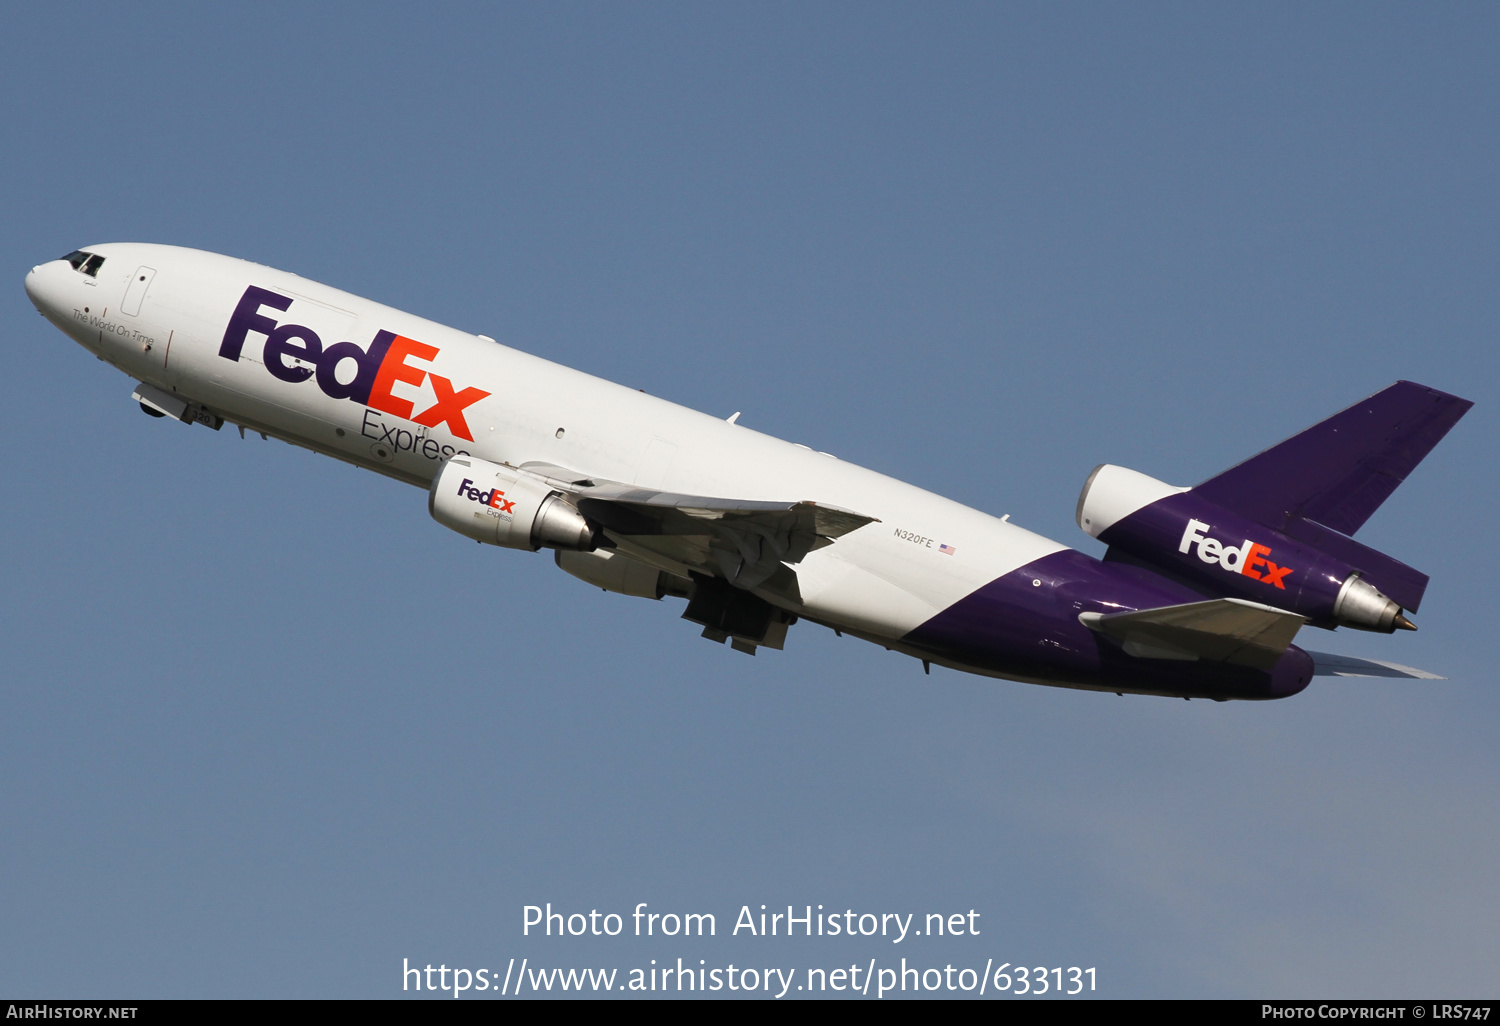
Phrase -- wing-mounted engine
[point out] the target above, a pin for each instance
(499, 505)
(1276, 528)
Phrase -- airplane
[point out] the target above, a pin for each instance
(1200, 594)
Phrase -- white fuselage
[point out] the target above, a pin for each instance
(160, 313)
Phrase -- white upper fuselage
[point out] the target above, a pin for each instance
(159, 313)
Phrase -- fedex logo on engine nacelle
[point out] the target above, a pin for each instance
(376, 368)
(493, 499)
(1237, 559)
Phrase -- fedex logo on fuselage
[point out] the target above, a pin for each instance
(386, 361)
(494, 499)
(1237, 559)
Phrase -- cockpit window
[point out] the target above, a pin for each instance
(88, 263)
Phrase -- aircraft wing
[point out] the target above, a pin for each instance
(1327, 665)
(750, 543)
(1220, 630)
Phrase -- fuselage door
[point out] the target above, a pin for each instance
(135, 292)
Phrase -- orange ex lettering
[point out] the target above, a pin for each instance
(1258, 554)
(394, 368)
(450, 405)
(1273, 574)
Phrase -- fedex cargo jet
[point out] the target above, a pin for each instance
(1200, 594)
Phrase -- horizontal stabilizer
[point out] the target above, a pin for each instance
(1339, 471)
(1327, 665)
(1222, 630)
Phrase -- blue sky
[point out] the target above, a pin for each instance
(267, 729)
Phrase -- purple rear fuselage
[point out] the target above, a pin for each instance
(1025, 626)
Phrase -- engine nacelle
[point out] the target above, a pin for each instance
(1113, 493)
(1308, 569)
(499, 505)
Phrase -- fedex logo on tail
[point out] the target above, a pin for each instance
(1237, 559)
(388, 359)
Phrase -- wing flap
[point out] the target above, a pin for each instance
(749, 542)
(1219, 630)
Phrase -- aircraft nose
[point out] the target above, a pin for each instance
(44, 285)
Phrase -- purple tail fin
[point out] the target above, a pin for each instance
(1338, 472)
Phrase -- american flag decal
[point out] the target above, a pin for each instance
(947, 550)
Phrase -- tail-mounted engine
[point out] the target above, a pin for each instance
(501, 506)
